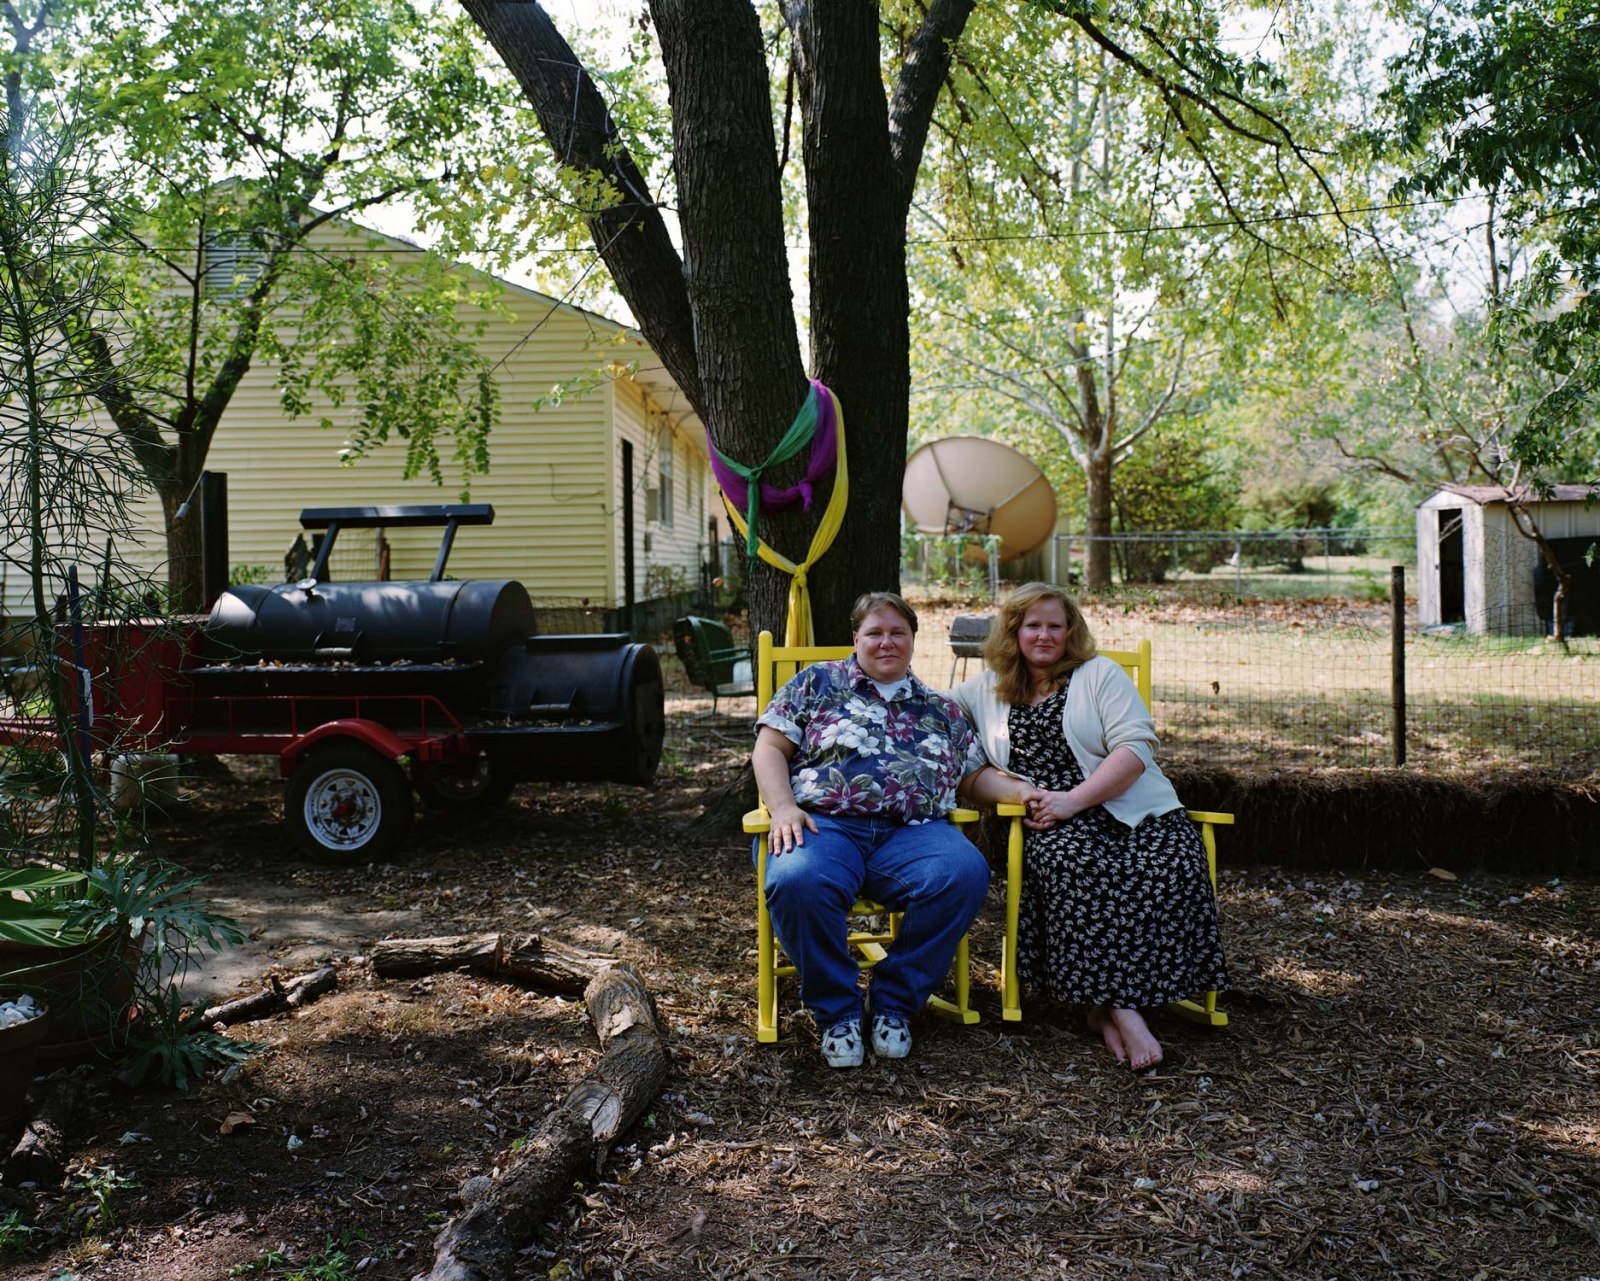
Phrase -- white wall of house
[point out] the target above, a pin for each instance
(674, 493)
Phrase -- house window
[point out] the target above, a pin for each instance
(231, 265)
(664, 477)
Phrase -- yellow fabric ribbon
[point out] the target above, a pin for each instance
(798, 630)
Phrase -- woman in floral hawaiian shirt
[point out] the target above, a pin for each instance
(859, 763)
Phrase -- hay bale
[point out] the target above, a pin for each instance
(1395, 820)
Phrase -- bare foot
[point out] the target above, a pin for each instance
(1099, 1020)
(1144, 1051)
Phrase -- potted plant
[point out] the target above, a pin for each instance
(23, 1023)
(92, 931)
(106, 950)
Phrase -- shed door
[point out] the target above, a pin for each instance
(1452, 576)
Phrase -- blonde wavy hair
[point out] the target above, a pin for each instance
(1003, 656)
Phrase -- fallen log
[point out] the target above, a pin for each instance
(40, 1156)
(274, 999)
(501, 1215)
(517, 958)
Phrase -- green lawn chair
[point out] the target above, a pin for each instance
(711, 659)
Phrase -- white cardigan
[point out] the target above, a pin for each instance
(1103, 712)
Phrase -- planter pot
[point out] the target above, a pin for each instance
(89, 988)
(19, 1059)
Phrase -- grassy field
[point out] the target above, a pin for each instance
(1306, 681)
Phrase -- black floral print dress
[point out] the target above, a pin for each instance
(1110, 915)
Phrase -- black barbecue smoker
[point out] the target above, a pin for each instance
(367, 691)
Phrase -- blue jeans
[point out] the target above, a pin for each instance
(931, 872)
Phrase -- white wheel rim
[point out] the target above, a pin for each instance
(343, 809)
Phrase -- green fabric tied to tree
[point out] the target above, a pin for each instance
(800, 434)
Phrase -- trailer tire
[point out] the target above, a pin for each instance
(480, 785)
(346, 801)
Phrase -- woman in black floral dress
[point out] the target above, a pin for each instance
(1117, 910)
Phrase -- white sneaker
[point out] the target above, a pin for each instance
(842, 1046)
(891, 1036)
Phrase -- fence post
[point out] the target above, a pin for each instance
(1397, 661)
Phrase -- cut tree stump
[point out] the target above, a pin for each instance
(501, 1215)
(517, 958)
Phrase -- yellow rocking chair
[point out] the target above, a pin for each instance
(872, 927)
(1201, 1008)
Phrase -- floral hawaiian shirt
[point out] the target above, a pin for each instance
(860, 755)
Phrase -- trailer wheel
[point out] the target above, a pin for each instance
(474, 784)
(346, 801)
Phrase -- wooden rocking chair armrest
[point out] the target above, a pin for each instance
(760, 819)
(1208, 816)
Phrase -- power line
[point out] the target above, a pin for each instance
(1212, 225)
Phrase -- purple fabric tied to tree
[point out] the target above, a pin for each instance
(824, 457)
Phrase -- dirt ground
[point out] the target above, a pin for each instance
(1410, 1085)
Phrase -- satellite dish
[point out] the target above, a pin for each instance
(973, 485)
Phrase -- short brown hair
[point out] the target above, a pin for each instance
(874, 601)
(1004, 658)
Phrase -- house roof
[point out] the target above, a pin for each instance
(1484, 494)
(650, 374)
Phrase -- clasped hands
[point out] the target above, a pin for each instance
(1046, 809)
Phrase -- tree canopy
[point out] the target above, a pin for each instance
(864, 86)
(1503, 101)
(244, 130)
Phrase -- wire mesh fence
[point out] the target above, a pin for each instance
(1290, 681)
(1321, 689)
(1239, 562)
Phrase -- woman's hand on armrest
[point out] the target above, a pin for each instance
(770, 761)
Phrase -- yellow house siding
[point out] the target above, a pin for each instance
(669, 549)
(553, 477)
(546, 481)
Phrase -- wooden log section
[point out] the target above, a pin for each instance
(481, 1243)
(515, 958)
(279, 996)
(40, 1156)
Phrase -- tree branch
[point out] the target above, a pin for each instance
(631, 236)
(917, 87)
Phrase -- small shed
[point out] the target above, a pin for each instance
(1475, 567)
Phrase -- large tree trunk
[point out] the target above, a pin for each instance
(860, 334)
(736, 266)
(1096, 457)
(184, 591)
(728, 303)
(1097, 485)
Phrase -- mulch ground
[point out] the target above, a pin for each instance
(1410, 1086)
